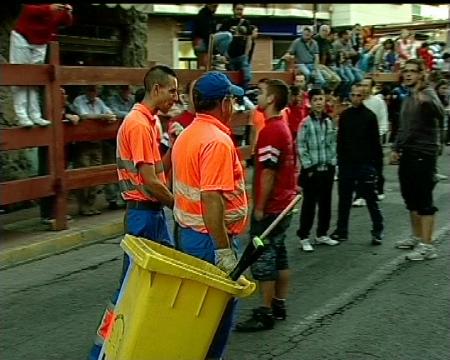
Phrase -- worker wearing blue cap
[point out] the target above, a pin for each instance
(209, 186)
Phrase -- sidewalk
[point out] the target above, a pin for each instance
(24, 238)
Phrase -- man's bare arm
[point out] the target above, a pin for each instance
(154, 186)
(213, 209)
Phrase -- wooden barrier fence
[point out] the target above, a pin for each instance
(59, 180)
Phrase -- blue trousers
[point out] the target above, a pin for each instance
(149, 224)
(202, 246)
(241, 63)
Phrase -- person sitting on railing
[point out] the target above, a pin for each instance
(405, 46)
(386, 57)
(240, 46)
(89, 153)
(35, 28)
(366, 62)
(305, 51)
(326, 57)
(204, 26)
(344, 68)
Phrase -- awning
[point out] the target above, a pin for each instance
(223, 9)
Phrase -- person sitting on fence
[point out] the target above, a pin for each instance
(386, 57)
(326, 57)
(35, 28)
(204, 26)
(89, 153)
(239, 48)
(306, 53)
(344, 68)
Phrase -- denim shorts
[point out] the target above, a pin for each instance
(274, 257)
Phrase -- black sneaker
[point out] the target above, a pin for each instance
(262, 319)
(336, 236)
(376, 240)
(279, 309)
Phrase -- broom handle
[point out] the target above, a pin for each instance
(280, 216)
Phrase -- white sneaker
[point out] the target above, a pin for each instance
(24, 122)
(409, 243)
(380, 197)
(41, 122)
(327, 241)
(422, 252)
(359, 203)
(305, 245)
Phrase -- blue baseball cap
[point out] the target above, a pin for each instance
(215, 85)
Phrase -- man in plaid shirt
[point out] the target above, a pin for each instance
(317, 151)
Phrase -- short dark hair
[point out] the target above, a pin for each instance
(201, 104)
(295, 90)
(158, 74)
(90, 88)
(139, 95)
(236, 4)
(341, 33)
(440, 83)
(124, 87)
(372, 82)
(280, 90)
(418, 62)
(315, 92)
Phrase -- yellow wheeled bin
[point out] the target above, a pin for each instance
(170, 305)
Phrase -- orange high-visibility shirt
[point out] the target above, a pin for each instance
(205, 159)
(137, 143)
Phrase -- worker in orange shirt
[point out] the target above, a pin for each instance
(141, 172)
(257, 117)
(208, 184)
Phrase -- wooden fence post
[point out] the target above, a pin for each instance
(58, 168)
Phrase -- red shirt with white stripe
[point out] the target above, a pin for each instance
(275, 150)
(39, 24)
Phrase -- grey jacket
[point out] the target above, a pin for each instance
(420, 115)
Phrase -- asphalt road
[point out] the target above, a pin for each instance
(352, 301)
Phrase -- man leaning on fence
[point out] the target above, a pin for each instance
(90, 153)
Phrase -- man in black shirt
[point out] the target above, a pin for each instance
(326, 57)
(359, 154)
(240, 46)
(204, 26)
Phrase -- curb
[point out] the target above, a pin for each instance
(53, 246)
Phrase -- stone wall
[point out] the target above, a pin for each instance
(135, 39)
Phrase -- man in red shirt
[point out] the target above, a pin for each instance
(36, 27)
(274, 188)
(297, 109)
